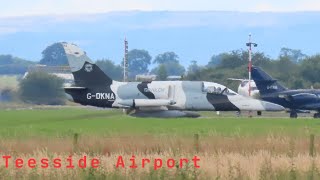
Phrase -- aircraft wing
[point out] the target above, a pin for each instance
(235, 79)
(146, 102)
(166, 114)
(299, 97)
(154, 108)
(304, 95)
(303, 100)
(313, 106)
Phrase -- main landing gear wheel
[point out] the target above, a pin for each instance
(293, 115)
(316, 115)
(127, 111)
(259, 113)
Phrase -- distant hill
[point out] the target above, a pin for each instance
(13, 65)
(192, 35)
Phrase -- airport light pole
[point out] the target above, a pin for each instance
(125, 61)
(250, 44)
(125, 69)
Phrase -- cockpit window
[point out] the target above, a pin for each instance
(210, 89)
(244, 83)
(218, 90)
(228, 92)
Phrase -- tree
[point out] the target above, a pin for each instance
(310, 69)
(194, 71)
(54, 55)
(297, 83)
(7, 94)
(237, 58)
(259, 59)
(193, 67)
(42, 88)
(167, 57)
(138, 62)
(110, 68)
(6, 59)
(215, 60)
(170, 62)
(172, 69)
(13, 65)
(233, 59)
(162, 72)
(294, 55)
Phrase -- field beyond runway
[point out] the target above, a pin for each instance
(229, 147)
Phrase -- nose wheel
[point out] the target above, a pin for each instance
(293, 114)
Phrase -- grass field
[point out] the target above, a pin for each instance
(66, 121)
(229, 147)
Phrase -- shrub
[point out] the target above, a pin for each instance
(42, 88)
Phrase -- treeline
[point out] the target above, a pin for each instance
(13, 65)
(139, 61)
(292, 67)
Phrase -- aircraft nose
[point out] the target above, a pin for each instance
(272, 107)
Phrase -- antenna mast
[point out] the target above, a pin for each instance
(250, 44)
(125, 61)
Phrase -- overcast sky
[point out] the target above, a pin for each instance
(41, 7)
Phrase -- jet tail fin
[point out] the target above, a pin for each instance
(264, 82)
(85, 72)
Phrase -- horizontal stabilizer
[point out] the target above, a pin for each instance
(71, 88)
(236, 79)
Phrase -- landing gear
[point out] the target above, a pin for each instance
(238, 113)
(127, 111)
(316, 115)
(250, 114)
(259, 113)
(293, 114)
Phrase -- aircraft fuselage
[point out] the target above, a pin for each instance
(175, 95)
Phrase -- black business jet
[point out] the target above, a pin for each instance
(297, 101)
